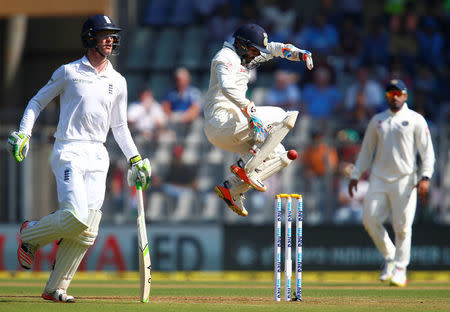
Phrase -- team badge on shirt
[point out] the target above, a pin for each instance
(405, 123)
(379, 124)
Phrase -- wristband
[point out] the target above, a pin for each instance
(135, 159)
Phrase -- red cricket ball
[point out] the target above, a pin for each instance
(292, 154)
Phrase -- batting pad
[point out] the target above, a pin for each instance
(60, 224)
(274, 165)
(275, 136)
(70, 253)
(265, 171)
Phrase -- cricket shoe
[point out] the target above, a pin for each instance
(386, 272)
(399, 277)
(235, 204)
(251, 179)
(25, 252)
(58, 295)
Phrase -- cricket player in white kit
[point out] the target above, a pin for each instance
(235, 124)
(93, 98)
(390, 145)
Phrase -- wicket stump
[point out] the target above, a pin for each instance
(288, 199)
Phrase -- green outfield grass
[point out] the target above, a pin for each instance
(233, 291)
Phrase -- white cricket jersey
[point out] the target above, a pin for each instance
(90, 104)
(395, 138)
(229, 78)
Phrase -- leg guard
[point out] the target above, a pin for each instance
(60, 224)
(265, 171)
(70, 253)
(279, 130)
(25, 252)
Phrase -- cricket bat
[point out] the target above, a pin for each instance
(145, 265)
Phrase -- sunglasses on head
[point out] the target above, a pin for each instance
(390, 94)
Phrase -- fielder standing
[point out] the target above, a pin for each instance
(233, 122)
(390, 146)
(93, 98)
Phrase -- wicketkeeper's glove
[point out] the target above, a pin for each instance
(18, 145)
(140, 170)
(260, 133)
(293, 53)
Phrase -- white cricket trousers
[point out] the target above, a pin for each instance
(229, 129)
(399, 199)
(80, 169)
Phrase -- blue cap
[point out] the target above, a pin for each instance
(396, 84)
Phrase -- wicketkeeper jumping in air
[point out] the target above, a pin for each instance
(235, 124)
(93, 98)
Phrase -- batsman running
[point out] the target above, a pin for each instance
(235, 124)
(93, 99)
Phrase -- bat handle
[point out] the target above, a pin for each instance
(140, 199)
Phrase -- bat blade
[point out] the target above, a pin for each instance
(145, 265)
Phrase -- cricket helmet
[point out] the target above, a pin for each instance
(250, 35)
(93, 25)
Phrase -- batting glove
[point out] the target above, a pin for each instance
(18, 145)
(140, 170)
(260, 133)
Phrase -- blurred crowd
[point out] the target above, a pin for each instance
(357, 47)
